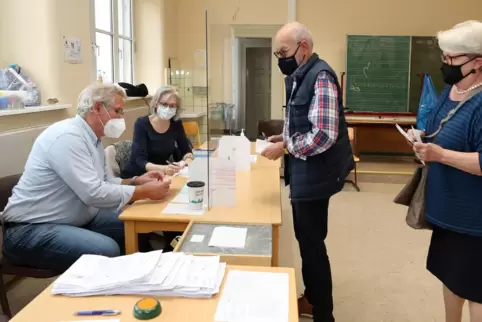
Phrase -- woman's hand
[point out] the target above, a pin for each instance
(429, 152)
(169, 169)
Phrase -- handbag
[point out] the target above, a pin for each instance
(413, 194)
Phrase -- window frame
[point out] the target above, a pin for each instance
(116, 39)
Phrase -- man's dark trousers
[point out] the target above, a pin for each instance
(310, 219)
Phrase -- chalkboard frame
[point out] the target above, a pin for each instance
(409, 89)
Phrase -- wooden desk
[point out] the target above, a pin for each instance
(48, 307)
(379, 120)
(258, 201)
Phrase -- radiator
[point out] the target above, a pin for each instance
(15, 145)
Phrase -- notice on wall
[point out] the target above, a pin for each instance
(72, 50)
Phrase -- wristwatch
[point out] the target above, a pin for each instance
(133, 181)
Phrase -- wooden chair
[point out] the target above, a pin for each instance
(270, 127)
(6, 268)
(352, 137)
(192, 129)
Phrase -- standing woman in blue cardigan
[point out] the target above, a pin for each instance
(160, 143)
(454, 182)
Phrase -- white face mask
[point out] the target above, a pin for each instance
(166, 112)
(114, 127)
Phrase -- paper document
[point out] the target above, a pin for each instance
(197, 238)
(222, 184)
(184, 172)
(405, 134)
(228, 237)
(173, 274)
(254, 297)
(416, 133)
(181, 209)
(261, 145)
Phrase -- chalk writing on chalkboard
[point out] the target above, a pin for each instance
(381, 75)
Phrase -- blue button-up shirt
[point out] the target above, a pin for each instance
(65, 180)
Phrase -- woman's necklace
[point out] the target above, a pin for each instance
(468, 89)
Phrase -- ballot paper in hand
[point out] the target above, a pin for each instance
(254, 297)
(417, 138)
(261, 145)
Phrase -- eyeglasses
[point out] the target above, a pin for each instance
(117, 110)
(283, 53)
(449, 59)
(168, 105)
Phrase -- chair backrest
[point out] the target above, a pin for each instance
(270, 127)
(123, 151)
(6, 186)
(192, 129)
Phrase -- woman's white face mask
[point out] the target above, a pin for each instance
(165, 112)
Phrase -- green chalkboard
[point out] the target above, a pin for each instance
(382, 72)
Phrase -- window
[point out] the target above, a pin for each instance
(114, 40)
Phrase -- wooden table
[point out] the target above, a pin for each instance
(258, 201)
(54, 308)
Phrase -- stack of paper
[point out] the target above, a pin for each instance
(254, 297)
(153, 273)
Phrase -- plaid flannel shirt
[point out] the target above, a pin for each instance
(323, 115)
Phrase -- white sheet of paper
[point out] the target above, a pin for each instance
(228, 237)
(254, 157)
(405, 134)
(236, 148)
(181, 198)
(222, 184)
(184, 172)
(254, 297)
(261, 145)
(181, 209)
(197, 238)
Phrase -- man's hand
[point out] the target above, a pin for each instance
(149, 177)
(274, 151)
(429, 152)
(157, 190)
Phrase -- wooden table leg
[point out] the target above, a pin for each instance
(132, 244)
(275, 251)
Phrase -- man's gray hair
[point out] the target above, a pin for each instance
(300, 32)
(98, 93)
(463, 38)
(160, 93)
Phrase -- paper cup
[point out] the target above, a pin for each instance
(196, 194)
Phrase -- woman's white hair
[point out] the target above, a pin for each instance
(166, 91)
(98, 93)
(463, 38)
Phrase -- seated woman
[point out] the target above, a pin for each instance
(159, 142)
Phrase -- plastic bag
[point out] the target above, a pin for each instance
(9, 82)
(428, 100)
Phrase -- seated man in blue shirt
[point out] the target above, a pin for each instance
(65, 204)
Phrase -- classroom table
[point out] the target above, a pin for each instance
(56, 308)
(258, 201)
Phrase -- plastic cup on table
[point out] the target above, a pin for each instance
(196, 194)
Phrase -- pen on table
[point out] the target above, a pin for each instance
(264, 136)
(98, 312)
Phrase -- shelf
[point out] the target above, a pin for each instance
(192, 115)
(34, 109)
(134, 98)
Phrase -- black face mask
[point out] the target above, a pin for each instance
(287, 65)
(452, 74)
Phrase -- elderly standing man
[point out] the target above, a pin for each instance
(65, 204)
(320, 158)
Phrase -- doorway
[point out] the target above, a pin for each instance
(255, 83)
